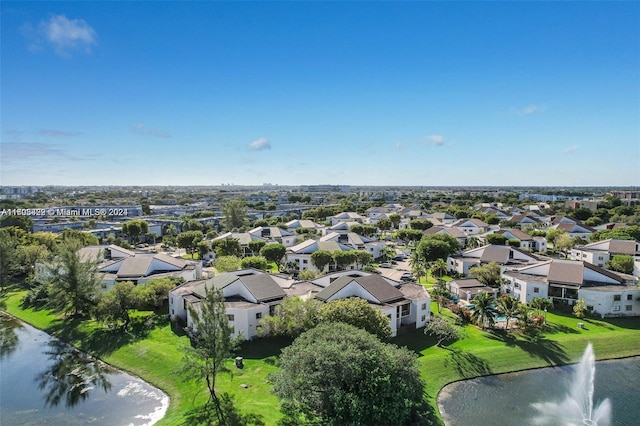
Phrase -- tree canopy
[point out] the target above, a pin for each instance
(337, 374)
(436, 246)
(358, 313)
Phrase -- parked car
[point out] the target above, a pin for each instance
(384, 265)
(407, 277)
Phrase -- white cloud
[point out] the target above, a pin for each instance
(50, 133)
(260, 144)
(435, 140)
(143, 129)
(529, 109)
(64, 35)
(571, 149)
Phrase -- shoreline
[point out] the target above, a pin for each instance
(165, 399)
(449, 392)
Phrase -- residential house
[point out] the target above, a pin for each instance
(274, 234)
(249, 296)
(600, 252)
(527, 242)
(506, 256)
(566, 281)
(526, 221)
(346, 217)
(300, 254)
(295, 224)
(405, 304)
(465, 289)
(456, 233)
(118, 264)
(576, 230)
(357, 242)
(471, 226)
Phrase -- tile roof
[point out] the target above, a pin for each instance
(495, 253)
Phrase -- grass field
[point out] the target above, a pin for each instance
(152, 350)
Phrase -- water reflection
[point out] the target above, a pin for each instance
(71, 375)
(8, 336)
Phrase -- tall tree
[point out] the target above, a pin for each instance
(484, 313)
(437, 246)
(213, 345)
(439, 268)
(189, 240)
(273, 252)
(358, 313)
(292, 317)
(336, 374)
(135, 228)
(227, 247)
(73, 281)
(8, 258)
(508, 306)
(320, 259)
(442, 330)
(488, 274)
(363, 258)
(344, 258)
(621, 263)
(255, 246)
(235, 214)
(395, 220)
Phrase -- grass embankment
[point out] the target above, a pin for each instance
(152, 350)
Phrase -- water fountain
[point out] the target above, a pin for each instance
(577, 408)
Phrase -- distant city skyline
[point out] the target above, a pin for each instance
(308, 93)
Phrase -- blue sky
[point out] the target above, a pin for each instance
(354, 93)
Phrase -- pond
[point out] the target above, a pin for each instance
(45, 381)
(511, 399)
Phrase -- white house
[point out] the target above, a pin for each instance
(273, 234)
(527, 242)
(565, 281)
(471, 226)
(119, 264)
(357, 242)
(346, 217)
(249, 296)
(600, 252)
(456, 233)
(404, 304)
(468, 288)
(506, 256)
(300, 254)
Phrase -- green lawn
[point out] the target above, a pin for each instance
(152, 350)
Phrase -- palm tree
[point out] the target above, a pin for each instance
(473, 242)
(440, 293)
(484, 313)
(439, 268)
(418, 267)
(508, 306)
(539, 304)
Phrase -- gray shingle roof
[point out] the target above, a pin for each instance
(375, 285)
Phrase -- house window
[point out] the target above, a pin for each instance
(616, 297)
(629, 297)
(231, 317)
(628, 308)
(405, 310)
(305, 261)
(184, 304)
(259, 315)
(616, 309)
(517, 285)
(536, 289)
(423, 318)
(424, 306)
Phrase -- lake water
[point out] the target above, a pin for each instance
(44, 381)
(506, 399)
